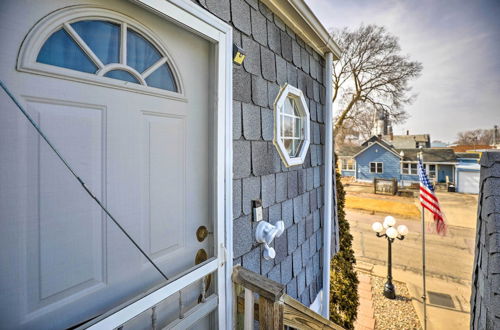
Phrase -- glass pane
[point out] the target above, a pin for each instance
(289, 106)
(379, 167)
(298, 128)
(61, 50)
(288, 145)
(141, 54)
(102, 37)
(296, 147)
(162, 78)
(295, 110)
(372, 167)
(122, 75)
(287, 127)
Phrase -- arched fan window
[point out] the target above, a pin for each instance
(108, 49)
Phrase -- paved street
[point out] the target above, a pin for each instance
(449, 265)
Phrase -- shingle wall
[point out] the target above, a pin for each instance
(485, 299)
(275, 56)
(375, 153)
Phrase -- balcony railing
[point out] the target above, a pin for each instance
(272, 308)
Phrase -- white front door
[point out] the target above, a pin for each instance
(124, 97)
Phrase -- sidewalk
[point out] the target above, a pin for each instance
(365, 320)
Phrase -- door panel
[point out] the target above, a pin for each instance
(65, 264)
(165, 136)
(145, 156)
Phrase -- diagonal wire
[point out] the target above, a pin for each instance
(85, 187)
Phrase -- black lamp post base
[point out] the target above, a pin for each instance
(389, 290)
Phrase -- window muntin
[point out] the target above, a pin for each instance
(291, 129)
(61, 50)
(95, 46)
(348, 164)
(376, 167)
(107, 45)
(409, 168)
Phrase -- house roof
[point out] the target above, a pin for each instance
(431, 155)
(299, 17)
(375, 138)
(474, 155)
(348, 150)
(367, 145)
(407, 141)
(463, 147)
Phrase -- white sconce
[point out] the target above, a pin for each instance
(265, 233)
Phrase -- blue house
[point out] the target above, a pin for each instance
(379, 158)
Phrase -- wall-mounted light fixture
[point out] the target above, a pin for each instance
(238, 55)
(265, 233)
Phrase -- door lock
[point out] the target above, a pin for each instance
(202, 233)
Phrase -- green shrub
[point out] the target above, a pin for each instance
(344, 298)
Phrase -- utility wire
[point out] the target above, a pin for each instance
(85, 187)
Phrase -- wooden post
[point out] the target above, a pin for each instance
(270, 314)
(275, 309)
(248, 316)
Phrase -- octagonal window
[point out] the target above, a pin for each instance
(291, 129)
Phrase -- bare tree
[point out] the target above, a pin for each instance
(371, 73)
(476, 137)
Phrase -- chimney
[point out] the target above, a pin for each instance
(407, 132)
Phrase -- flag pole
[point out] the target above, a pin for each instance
(424, 293)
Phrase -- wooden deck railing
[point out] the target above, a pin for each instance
(273, 309)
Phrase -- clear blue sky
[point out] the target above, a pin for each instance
(458, 42)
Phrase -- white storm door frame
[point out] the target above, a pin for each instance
(207, 26)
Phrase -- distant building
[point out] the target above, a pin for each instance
(379, 158)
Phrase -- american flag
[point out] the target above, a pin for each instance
(429, 200)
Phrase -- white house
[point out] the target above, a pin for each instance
(183, 149)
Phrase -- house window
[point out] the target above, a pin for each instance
(108, 49)
(348, 164)
(410, 168)
(376, 167)
(291, 134)
(431, 170)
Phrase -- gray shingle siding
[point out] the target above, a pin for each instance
(275, 56)
(485, 298)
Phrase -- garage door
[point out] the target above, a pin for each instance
(468, 182)
(123, 95)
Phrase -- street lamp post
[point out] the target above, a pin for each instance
(390, 234)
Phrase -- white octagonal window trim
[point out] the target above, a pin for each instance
(291, 125)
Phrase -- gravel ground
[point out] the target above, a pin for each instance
(393, 313)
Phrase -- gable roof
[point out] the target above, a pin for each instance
(380, 140)
(380, 143)
(431, 155)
